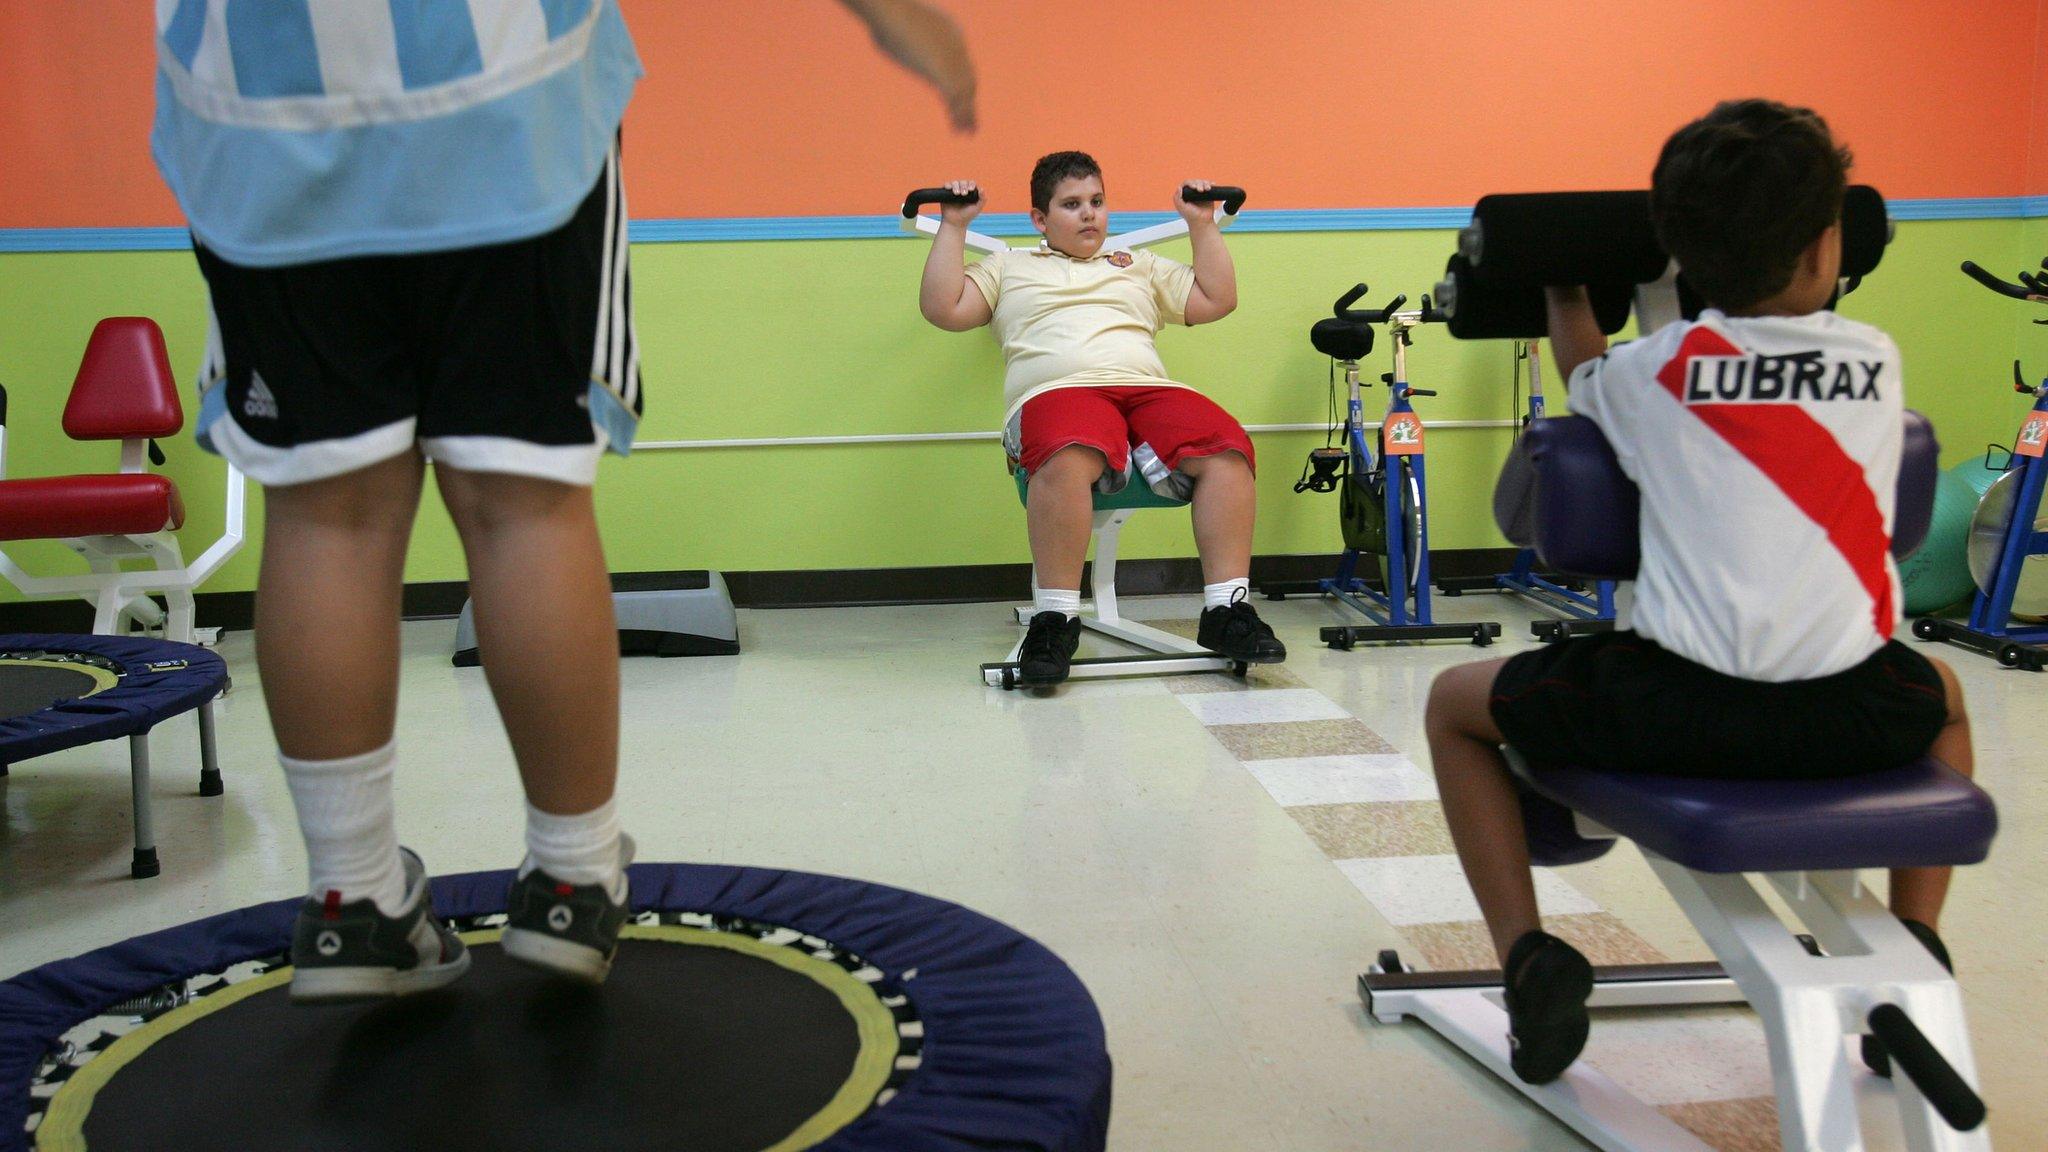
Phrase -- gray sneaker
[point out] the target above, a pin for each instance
(352, 951)
(569, 929)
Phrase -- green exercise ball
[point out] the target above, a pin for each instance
(1937, 574)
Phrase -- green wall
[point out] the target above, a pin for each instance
(769, 339)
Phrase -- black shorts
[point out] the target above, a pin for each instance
(516, 357)
(1617, 702)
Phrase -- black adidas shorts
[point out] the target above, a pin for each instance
(1617, 702)
(515, 357)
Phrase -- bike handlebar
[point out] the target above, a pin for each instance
(2021, 291)
(1343, 309)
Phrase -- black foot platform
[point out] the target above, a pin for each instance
(1343, 637)
(2004, 649)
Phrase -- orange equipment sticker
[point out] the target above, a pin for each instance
(1403, 432)
(2033, 435)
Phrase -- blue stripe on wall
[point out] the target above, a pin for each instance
(1007, 224)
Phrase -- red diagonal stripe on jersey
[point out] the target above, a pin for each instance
(1799, 455)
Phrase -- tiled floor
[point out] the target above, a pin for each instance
(1137, 828)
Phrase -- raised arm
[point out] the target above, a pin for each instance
(946, 296)
(1575, 335)
(928, 42)
(1214, 295)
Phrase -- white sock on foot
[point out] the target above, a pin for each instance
(580, 849)
(1223, 594)
(351, 831)
(1067, 600)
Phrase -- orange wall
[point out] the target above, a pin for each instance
(784, 109)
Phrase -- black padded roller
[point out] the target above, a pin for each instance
(1590, 237)
(1486, 311)
(1563, 238)
(1866, 229)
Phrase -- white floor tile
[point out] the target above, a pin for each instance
(1432, 890)
(1343, 780)
(1269, 706)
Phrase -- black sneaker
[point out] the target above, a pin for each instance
(1548, 983)
(1875, 1057)
(1048, 650)
(1235, 630)
(354, 951)
(569, 929)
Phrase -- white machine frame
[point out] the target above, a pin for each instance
(120, 598)
(1809, 1006)
(1160, 653)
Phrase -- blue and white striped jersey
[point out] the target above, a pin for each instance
(302, 130)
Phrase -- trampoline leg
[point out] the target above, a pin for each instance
(145, 864)
(209, 763)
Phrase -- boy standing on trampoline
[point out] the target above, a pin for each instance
(413, 232)
(1767, 597)
(1088, 404)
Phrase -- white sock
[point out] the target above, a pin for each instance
(580, 849)
(1226, 593)
(351, 831)
(1067, 600)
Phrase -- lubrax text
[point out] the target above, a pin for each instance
(1798, 376)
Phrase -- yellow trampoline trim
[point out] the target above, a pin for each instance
(63, 1125)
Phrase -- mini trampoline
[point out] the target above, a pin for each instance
(59, 691)
(751, 1010)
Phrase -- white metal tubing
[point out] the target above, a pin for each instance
(134, 456)
(209, 761)
(1607, 1115)
(1107, 526)
(230, 541)
(979, 241)
(1808, 1004)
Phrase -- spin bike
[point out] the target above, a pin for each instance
(1382, 503)
(2007, 533)
(1581, 613)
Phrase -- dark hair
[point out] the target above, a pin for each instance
(1741, 192)
(1051, 169)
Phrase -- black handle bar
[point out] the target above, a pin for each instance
(1925, 1066)
(1231, 195)
(924, 196)
(2016, 291)
(1343, 309)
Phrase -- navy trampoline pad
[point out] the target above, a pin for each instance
(750, 1010)
(60, 690)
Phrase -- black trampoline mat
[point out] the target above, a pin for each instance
(686, 1047)
(26, 688)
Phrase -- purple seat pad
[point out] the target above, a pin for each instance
(1924, 813)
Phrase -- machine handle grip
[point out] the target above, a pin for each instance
(2001, 287)
(1342, 309)
(1231, 195)
(924, 196)
(1930, 1072)
(1418, 391)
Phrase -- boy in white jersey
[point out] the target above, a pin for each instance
(1765, 439)
(413, 231)
(1088, 404)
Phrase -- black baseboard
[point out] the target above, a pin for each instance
(806, 588)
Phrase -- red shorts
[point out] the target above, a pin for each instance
(1179, 423)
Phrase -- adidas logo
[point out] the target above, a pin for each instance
(259, 404)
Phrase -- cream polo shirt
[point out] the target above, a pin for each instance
(1067, 323)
